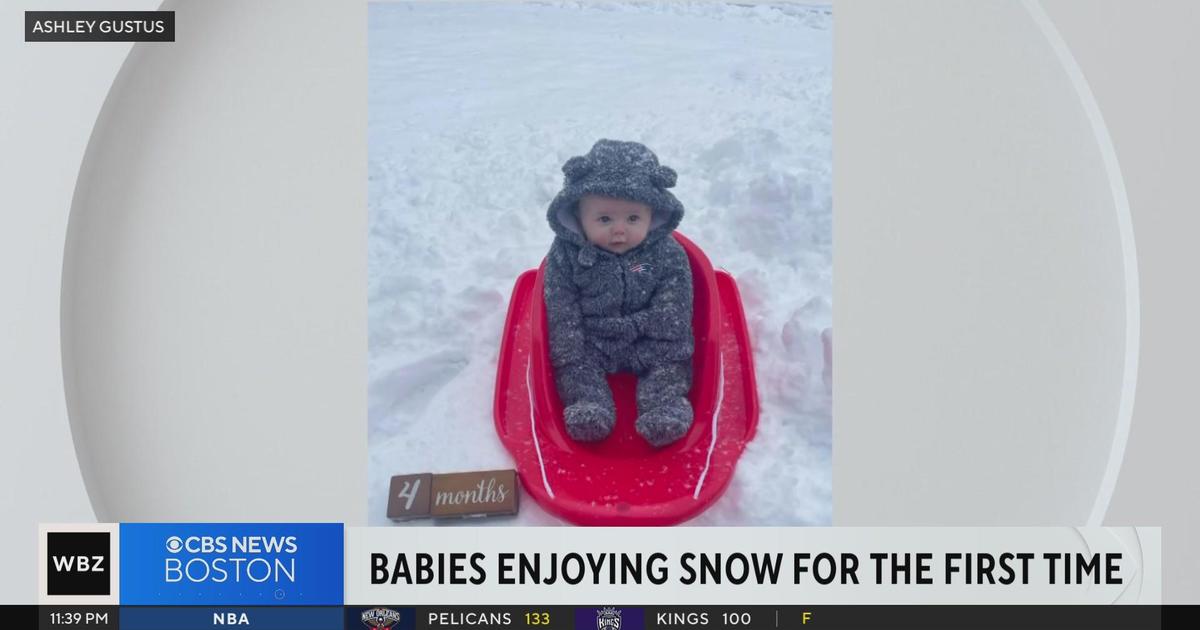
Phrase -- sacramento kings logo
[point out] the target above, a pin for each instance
(380, 618)
(608, 618)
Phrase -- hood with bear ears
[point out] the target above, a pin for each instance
(623, 170)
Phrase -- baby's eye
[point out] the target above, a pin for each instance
(604, 219)
(634, 218)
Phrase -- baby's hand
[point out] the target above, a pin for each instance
(614, 328)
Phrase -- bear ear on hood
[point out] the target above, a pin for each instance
(576, 168)
(663, 176)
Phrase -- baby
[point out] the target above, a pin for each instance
(619, 293)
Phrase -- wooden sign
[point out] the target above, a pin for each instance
(453, 495)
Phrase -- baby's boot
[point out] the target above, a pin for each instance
(588, 413)
(664, 413)
(588, 421)
(665, 423)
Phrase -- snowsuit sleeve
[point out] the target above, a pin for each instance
(563, 315)
(668, 317)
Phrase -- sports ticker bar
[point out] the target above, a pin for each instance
(601, 617)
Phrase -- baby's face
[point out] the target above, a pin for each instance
(616, 225)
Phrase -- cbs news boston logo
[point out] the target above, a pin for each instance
(260, 564)
(198, 564)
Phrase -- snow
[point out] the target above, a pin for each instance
(473, 110)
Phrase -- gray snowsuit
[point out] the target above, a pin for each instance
(629, 312)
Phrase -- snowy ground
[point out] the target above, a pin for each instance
(473, 110)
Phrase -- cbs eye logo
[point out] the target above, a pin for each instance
(174, 544)
(77, 563)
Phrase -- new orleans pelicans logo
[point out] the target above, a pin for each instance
(380, 618)
(608, 618)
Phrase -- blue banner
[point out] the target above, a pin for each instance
(207, 564)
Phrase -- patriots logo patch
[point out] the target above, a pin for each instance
(639, 268)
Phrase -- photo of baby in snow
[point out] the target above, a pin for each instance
(601, 146)
(619, 293)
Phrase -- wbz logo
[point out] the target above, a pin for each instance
(77, 563)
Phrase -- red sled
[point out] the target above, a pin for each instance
(623, 480)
